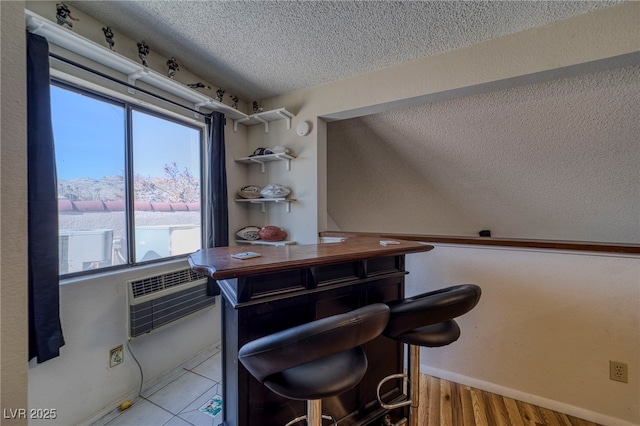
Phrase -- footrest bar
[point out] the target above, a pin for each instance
(404, 378)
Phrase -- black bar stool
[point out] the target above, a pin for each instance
(315, 360)
(425, 320)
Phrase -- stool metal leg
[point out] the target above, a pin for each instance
(314, 412)
(314, 415)
(412, 380)
(414, 383)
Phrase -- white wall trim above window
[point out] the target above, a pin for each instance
(135, 72)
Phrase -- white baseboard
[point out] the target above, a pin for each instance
(526, 397)
(108, 413)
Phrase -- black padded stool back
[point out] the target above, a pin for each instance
(431, 315)
(425, 320)
(318, 359)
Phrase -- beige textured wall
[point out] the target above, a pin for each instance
(545, 328)
(13, 214)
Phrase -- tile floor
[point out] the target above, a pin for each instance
(180, 398)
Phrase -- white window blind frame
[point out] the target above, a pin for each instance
(87, 82)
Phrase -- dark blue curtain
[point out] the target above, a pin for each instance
(217, 202)
(45, 329)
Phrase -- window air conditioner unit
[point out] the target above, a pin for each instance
(160, 300)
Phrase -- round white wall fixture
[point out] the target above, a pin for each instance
(303, 128)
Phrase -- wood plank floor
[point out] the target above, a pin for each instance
(444, 403)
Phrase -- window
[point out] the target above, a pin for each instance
(129, 182)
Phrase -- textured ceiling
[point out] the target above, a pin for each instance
(259, 49)
(555, 160)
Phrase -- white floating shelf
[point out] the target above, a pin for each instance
(265, 243)
(265, 118)
(267, 158)
(263, 201)
(134, 71)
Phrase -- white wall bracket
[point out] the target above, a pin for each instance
(262, 159)
(264, 201)
(265, 118)
(131, 79)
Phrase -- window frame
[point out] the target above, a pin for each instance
(129, 106)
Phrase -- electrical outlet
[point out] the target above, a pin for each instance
(618, 371)
(116, 356)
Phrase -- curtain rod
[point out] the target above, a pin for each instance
(115, 80)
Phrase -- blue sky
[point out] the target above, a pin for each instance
(89, 139)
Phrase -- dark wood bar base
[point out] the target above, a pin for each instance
(258, 304)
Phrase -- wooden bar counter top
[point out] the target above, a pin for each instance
(218, 263)
(295, 284)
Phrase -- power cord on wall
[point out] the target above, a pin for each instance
(128, 403)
